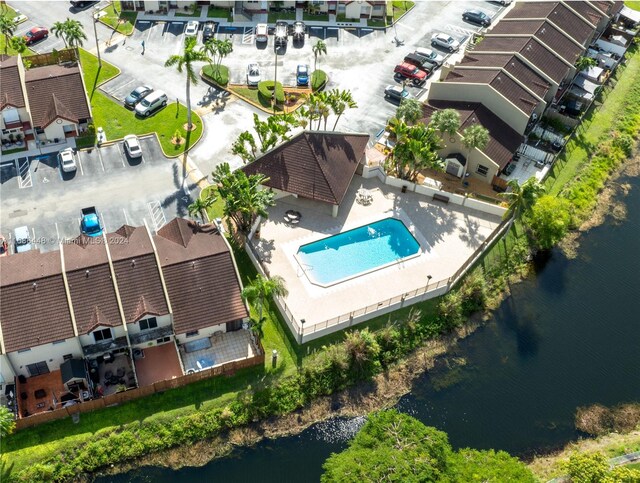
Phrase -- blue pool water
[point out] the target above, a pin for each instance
(354, 252)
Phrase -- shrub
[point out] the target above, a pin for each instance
(318, 80)
(218, 73)
(362, 353)
(265, 89)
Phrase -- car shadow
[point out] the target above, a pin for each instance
(68, 175)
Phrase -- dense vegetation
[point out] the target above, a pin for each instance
(395, 447)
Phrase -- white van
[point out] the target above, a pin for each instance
(151, 103)
(22, 239)
(262, 32)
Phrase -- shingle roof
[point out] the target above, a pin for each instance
(565, 19)
(513, 65)
(55, 92)
(314, 165)
(503, 139)
(200, 276)
(93, 295)
(587, 11)
(545, 32)
(609, 7)
(33, 303)
(137, 273)
(501, 82)
(532, 50)
(12, 94)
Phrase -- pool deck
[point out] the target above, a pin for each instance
(448, 235)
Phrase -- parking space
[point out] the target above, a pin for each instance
(120, 87)
(45, 45)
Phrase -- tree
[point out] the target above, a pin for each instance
(71, 32)
(244, 199)
(446, 121)
(585, 62)
(409, 111)
(58, 29)
(549, 221)
(521, 197)
(319, 48)
(263, 288)
(473, 465)
(8, 27)
(416, 149)
(391, 447)
(340, 101)
(184, 63)
(362, 353)
(201, 205)
(587, 468)
(7, 422)
(18, 44)
(271, 132)
(217, 50)
(323, 108)
(475, 136)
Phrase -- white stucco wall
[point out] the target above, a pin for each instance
(6, 372)
(202, 333)
(88, 339)
(49, 353)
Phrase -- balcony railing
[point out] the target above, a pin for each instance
(106, 346)
(148, 335)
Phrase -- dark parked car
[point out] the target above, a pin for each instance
(422, 62)
(396, 93)
(137, 95)
(299, 30)
(282, 32)
(35, 35)
(477, 17)
(509, 168)
(82, 4)
(208, 31)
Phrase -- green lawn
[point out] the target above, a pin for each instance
(595, 124)
(273, 17)
(252, 94)
(118, 121)
(189, 13)
(7, 10)
(633, 5)
(399, 8)
(372, 22)
(214, 211)
(323, 17)
(118, 20)
(214, 12)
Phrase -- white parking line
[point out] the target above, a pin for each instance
(121, 152)
(104, 225)
(57, 232)
(80, 164)
(126, 218)
(100, 158)
(247, 35)
(157, 215)
(459, 30)
(24, 173)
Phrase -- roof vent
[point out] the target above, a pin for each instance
(35, 285)
(86, 273)
(193, 264)
(133, 263)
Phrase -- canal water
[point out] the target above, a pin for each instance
(567, 337)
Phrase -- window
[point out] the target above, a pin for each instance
(66, 357)
(150, 323)
(482, 170)
(163, 340)
(23, 350)
(102, 334)
(38, 368)
(193, 334)
(61, 341)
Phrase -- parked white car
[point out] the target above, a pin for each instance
(432, 55)
(253, 74)
(192, 28)
(132, 146)
(67, 160)
(445, 41)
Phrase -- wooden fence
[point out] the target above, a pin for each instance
(131, 394)
(51, 58)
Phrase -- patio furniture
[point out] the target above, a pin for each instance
(292, 217)
(217, 335)
(120, 372)
(363, 197)
(108, 374)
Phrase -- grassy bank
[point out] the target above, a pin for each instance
(122, 22)
(117, 121)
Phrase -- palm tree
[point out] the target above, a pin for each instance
(522, 197)
(217, 50)
(18, 44)
(446, 121)
(184, 63)
(409, 110)
(585, 62)
(340, 101)
(8, 27)
(59, 30)
(244, 199)
(475, 136)
(324, 108)
(201, 205)
(74, 31)
(263, 288)
(319, 48)
(416, 149)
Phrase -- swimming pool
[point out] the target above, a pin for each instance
(346, 255)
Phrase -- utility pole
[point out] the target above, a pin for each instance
(275, 83)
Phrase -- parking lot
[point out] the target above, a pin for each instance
(38, 194)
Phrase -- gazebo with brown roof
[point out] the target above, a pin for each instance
(315, 165)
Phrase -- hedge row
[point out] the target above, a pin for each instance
(265, 90)
(217, 73)
(318, 80)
